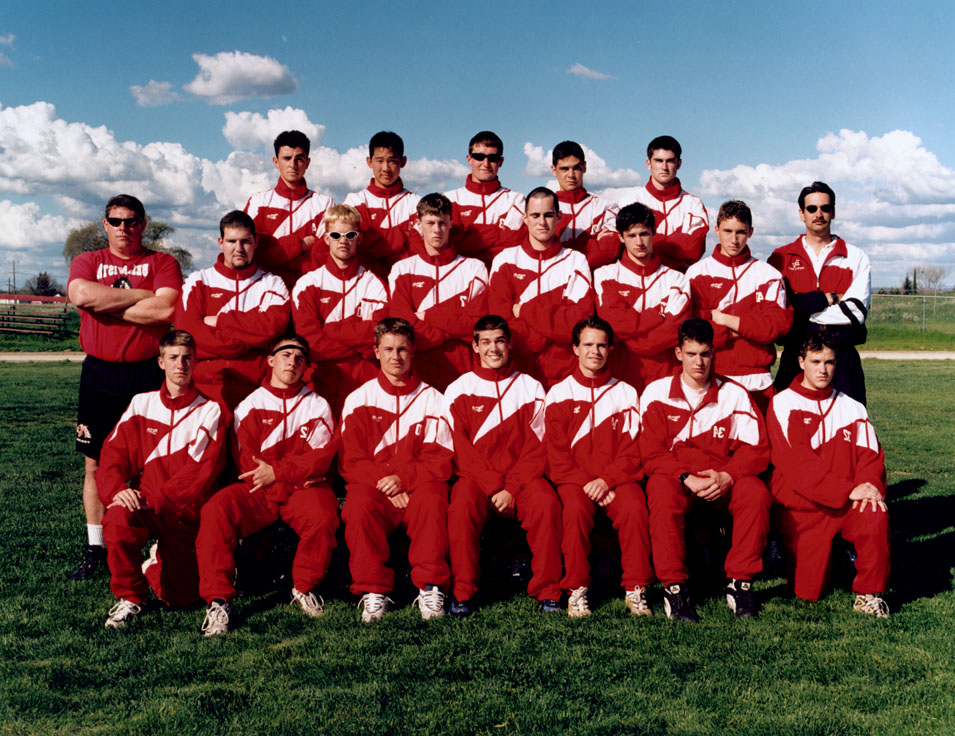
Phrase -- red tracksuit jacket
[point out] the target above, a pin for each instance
(591, 429)
(588, 224)
(724, 433)
(170, 449)
(497, 423)
(823, 446)
(395, 430)
(681, 224)
(486, 218)
(290, 429)
(752, 290)
(388, 215)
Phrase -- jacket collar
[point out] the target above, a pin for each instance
(491, 374)
(601, 379)
(542, 255)
(349, 272)
(631, 265)
(575, 196)
(283, 393)
(712, 390)
(385, 192)
(178, 402)
(239, 274)
(810, 393)
(664, 195)
(726, 260)
(443, 258)
(389, 388)
(292, 193)
(482, 187)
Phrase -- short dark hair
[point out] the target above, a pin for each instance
(817, 187)
(236, 218)
(386, 139)
(488, 138)
(735, 208)
(292, 139)
(177, 337)
(433, 204)
(492, 322)
(542, 192)
(595, 323)
(696, 329)
(816, 340)
(565, 149)
(394, 326)
(665, 143)
(129, 202)
(291, 337)
(635, 214)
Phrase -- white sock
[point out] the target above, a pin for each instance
(94, 533)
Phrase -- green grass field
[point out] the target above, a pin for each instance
(798, 669)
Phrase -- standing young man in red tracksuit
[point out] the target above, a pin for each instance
(396, 460)
(682, 221)
(745, 301)
(703, 442)
(829, 479)
(441, 294)
(642, 300)
(591, 423)
(541, 287)
(288, 218)
(284, 443)
(156, 470)
(235, 310)
(496, 414)
(336, 307)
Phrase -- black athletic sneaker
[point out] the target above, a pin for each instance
(676, 604)
(550, 605)
(460, 609)
(740, 598)
(94, 560)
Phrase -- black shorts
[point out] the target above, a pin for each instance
(106, 389)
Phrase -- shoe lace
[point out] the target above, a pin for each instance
(578, 600)
(217, 617)
(637, 598)
(124, 608)
(309, 601)
(373, 602)
(870, 603)
(433, 600)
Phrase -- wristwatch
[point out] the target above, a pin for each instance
(683, 477)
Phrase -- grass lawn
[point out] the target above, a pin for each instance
(797, 669)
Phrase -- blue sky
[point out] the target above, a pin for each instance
(177, 105)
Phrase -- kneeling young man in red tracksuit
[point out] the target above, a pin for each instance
(496, 415)
(396, 460)
(828, 479)
(156, 469)
(591, 423)
(703, 442)
(284, 442)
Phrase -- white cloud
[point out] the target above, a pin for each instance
(599, 174)
(252, 131)
(580, 70)
(154, 94)
(231, 76)
(7, 40)
(5, 60)
(25, 225)
(425, 175)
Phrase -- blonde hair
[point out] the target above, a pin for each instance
(342, 213)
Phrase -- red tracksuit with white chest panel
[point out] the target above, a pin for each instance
(588, 224)
(336, 310)
(554, 290)
(497, 422)
(396, 430)
(388, 215)
(486, 218)
(172, 450)
(823, 446)
(451, 291)
(681, 224)
(292, 430)
(284, 217)
(252, 309)
(752, 290)
(645, 306)
(591, 430)
(723, 432)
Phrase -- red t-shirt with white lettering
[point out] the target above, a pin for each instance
(107, 336)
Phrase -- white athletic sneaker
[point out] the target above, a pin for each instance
(577, 605)
(152, 559)
(430, 602)
(312, 604)
(871, 604)
(373, 606)
(636, 601)
(217, 619)
(122, 613)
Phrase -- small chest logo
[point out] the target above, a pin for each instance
(673, 417)
(376, 417)
(520, 276)
(613, 424)
(273, 216)
(847, 435)
(466, 213)
(217, 295)
(417, 284)
(152, 430)
(477, 408)
(325, 299)
(576, 410)
(268, 422)
(796, 265)
(625, 293)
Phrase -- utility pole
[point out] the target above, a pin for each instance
(14, 263)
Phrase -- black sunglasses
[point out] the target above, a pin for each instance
(827, 208)
(127, 221)
(494, 158)
(338, 236)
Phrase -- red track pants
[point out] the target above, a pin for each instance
(538, 511)
(628, 512)
(748, 502)
(807, 537)
(370, 518)
(234, 513)
(175, 579)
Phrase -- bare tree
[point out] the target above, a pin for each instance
(930, 278)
